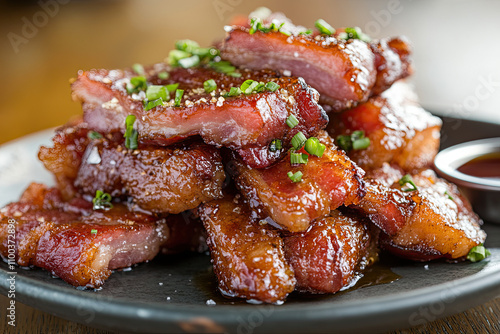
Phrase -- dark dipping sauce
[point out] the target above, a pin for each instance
(485, 166)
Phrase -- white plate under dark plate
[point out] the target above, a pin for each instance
(170, 294)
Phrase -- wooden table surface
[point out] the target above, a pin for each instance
(36, 66)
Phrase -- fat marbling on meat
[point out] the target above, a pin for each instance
(246, 123)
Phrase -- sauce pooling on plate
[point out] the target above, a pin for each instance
(486, 166)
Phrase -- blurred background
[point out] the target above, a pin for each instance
(44, 43)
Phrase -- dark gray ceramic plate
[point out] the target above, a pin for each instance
(178, 293)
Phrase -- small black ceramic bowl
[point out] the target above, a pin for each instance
(475, 168)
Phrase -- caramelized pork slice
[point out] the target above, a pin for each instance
(74, 242)
(393, 61)
(246, 122)
(248, 257)
(330, 254)
(400, 131)
(157, 179)
(65, 157)
(345, 72)
(327, 183)
(433, 221)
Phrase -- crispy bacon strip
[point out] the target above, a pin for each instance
(248, 258)
(73, 242)
(330, 254)
(247, 123)
(327, 183)
(158, 179)
(400, 131)
(434, 221)
(82, 246)
(344, 72)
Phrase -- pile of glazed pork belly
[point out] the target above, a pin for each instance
(308, 157)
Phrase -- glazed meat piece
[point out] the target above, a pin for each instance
(327, 183)
(248, 257)
(400, 131)
(433, 221)
(330, 254)
(344, 72)
(64, 158)
(246, 123)
(75, 243)
(158, 179)
(392, 62)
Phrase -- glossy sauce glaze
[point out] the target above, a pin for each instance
(486, 166)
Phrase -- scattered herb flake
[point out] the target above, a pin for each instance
(324, 28)
(478, 253)
(295, 177)
(209, 85)
(408, 182)
(275, 145)
(130, 133)
(292, 121)
(178, 97)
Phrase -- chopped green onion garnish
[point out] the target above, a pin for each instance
(307, 32)
(255, 24)
(139, 69)
(298, 158)
(225, 67)
(187, 45)
(202, 52)
(361, 143)
(101, 201)
(324, 28)
(478, 253)
(178, 97)
(136, 84)
(314, 147)
(356, 141)
(260, 87)
(93, 231)
(344, 142)
(407, 181)
(292, 121)
(234, 91)
(209, 85)
(130, 133)
(188, 54)
(156, 92)
(148, 105)
(272, 86)
(163, 75)
(248, 85)
(298, 140)
(297, 177)
(94, 135)
(354, 33)
(275, 145)
(251, 88)
(172, 87)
